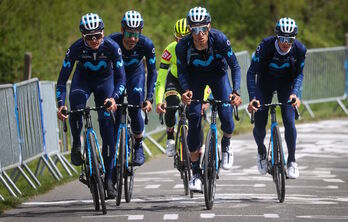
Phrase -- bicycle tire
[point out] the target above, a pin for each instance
(279, 171)
(100, 194)
(129, 173)
(209, 175)
(120, 166)
(186, 161)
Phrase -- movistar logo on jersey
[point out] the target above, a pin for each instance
(137, 89)
(119, 64)
(256, 59)
(107, 114)
(302, 65)
(285, 65)
(218, 56)
(93, 67)
(66, 64)
(131, 62)
(58, 94)
(121, 89)
(230, 53)
(153, 60)
(198, 62)
(226, 105)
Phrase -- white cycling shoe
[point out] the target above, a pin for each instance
(227, 157)
(170, 148)
(195, 183)
(292, 170)
(262, 164)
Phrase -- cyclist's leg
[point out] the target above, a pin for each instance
(221, 90)
(102, 91)
(172, 97)
(135, 91)
(79, 93)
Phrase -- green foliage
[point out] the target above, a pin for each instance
(48, 27)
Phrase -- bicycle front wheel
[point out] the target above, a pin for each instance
(184, 153)
(279, 170)
(96, 185)
(129, 172)
(209, 170)
(120, 166)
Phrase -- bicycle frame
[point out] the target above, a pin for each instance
(213, 128)
(274, 123)
(123, 125)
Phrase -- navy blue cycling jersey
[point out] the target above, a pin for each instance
(269, 63)
(212, 61)
(93, 65)
(133, 59)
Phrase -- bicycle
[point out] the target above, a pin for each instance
(92, 168)
(275, 153)
(212, 154)
(182, 155)
(124, 167)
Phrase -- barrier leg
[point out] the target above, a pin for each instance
(7, 186)
(342, 106)
(12, 183)
(50, 168)
(309, 110)
(54, 166)
(154, 142)
(1, 197)
(58, 158)
(26, 177)
(38, 168)
(68, 164)
(31, 174)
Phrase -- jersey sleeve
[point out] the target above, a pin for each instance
(151, 68)
(228, 54)
(254, 69)
(162, 75)
(65, 72)
(296, 88)
(119, 72)
(182, 67)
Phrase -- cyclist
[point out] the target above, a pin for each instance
(135, 47)
(278, 64)
(202, 59)
(168, 85)
(99, 70)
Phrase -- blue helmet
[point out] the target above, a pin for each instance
(91, 23)
(132, 20)
(286, 27)
(198, 15)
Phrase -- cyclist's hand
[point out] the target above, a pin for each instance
(159, 108)
(204, 107)
(298, 101)
(148, 106)
(61, 116)
(186, 97)
(113, 106)
(237, 100)
(252, 108)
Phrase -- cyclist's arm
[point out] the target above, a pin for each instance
(162, 75)
(67, 67)
(119, 72)
(254, 70)
(296, 87)
(181, 67)
(151, 69)
(225, 47)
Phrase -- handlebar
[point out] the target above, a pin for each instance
(293, 100)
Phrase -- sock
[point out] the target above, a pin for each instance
(170, 133)
(225, 143)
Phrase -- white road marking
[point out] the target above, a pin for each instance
(271, 216)
(334, 180)
(154, 186)
(324, 217)
(136, 217)
(170, 217)
(178, 186)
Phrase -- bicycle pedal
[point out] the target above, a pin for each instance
(197, 191)
(128, 172)
(83, 180)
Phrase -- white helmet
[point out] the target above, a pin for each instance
(286, 27)
(90, 23)
(133, 20)
(198, 15)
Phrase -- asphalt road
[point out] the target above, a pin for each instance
(319, 194)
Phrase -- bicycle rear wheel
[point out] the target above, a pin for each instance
(183, 149)
(209, 169)
(278, 169)
(129, 172)
(120, 166)
(96, 181)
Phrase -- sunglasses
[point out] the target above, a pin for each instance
(92, 37)
(197, 29)
(131, 34)
(283, 39)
